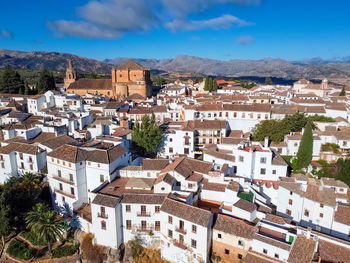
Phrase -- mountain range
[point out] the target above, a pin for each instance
(338, 71)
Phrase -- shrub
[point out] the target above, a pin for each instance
(65, 251)
(246, 196)
(20, 250)
(32, 238)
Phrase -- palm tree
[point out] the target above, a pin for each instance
(29, 181)
(45, 224)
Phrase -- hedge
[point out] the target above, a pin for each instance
(65, 251)
(20, 250)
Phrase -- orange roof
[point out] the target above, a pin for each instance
(221, 82)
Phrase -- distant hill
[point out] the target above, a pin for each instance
(337, 71)
(50, 60)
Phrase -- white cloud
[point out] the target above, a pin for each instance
(6, 33)
(244, 40)
(111, 19)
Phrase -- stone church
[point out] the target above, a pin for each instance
(128, 79)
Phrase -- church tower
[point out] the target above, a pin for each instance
(71, 74)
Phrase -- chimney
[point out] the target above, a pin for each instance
(266, 142)
(308, 233)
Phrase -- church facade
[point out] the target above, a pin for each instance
(128, 79)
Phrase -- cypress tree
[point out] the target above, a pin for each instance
(268, 81)
(210, 84)
(304, 155)
(215, 85)
(206, 83)
(11, 81)
(26, 89)
(342, 93)
(45, 82)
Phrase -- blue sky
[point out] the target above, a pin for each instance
(219, 29)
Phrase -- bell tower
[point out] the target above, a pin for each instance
(71, 74)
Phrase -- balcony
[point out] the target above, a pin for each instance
(64, 193)
(56, 177)
(179, 244)
(145, 214)
(143, 229)
(102, 215)
(181, 230)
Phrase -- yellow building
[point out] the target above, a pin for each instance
(128, 79)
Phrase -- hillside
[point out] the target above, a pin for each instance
(188, 66)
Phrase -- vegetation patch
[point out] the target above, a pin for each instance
(65, 251)
(20, 250)
(32, 238)
(246, 196)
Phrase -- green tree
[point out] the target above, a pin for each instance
(273, 129)
(5, 227)
(304, 155)
(206, 84)
(215, 85)
(159, 81)
(342, 93)
(44, 223)
(26, 89)
(10, 81)
(45, 82)
(210, 84)
(147, 136)
(268, 81)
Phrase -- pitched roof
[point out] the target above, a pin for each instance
(154, 164)
(332, 252)
(245, 205)
(323, 196)
(105, 200)
(187, 212)
(234, 227)
(131, 64)
(143, 199)
(342, 215)
(91, 84)
(58, 141)
(302, 250)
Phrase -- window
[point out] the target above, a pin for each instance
(128, 208)
(235, 114)
(181, 224)
(190, 185)
(31, 167)
(273, 171)
(186, 151)
(64, 163)
(2, 165)
(61, 187)
(295, 144)
(219, 236)
(193, 243)
(170, 139)
(21, 156)
(103, 225)
(226, 114)
(59, 173)
(243, 115)
(157, 225)
(171, 150)
(241, 158)
(71, 177)
(102, 178)
(240, 256)
(259, 116)
(157, 209)
(306, 212)
(128, 224)
(321, 205)
(276, 255)
(265, 251)
(227, 252)
(263, 160)
(290, 192)
(63, 199)
(170, 233)
(240, 242)
(321, 215)
(143, 224)
(52, 159)
(262, 171)
(143, 209)
(194, 229)
(290, 201)
(72, 190)
(170, 219)
(288, 212)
